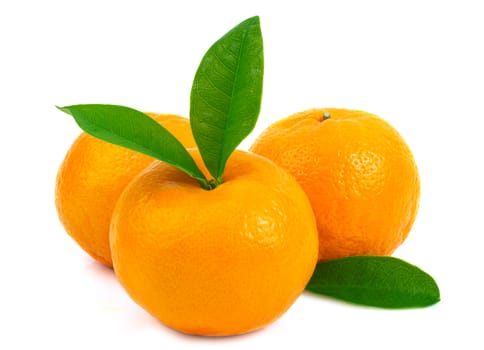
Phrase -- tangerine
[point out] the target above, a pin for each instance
(92, 177)
(220, 262)
(358, 172)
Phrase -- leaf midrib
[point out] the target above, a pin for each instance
(359, 287)
(196, 173)
(219, 170)
(113, 131)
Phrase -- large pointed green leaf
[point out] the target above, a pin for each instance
(380, 281)
(226, 94)
(135, 130)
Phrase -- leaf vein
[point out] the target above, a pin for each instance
(230, 69)
(209, 104)
(234, 86)
(215, 86)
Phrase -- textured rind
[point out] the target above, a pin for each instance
(220, 262)
(91, 179)
(358, 173)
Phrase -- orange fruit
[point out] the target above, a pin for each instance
(358, 173)
(220, 262)
(91, 178)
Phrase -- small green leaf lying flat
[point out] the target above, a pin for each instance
(226, 94)
(379, 281)
(129, 128)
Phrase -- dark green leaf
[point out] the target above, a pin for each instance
(226, 94)
(385, 282)
(135, 130)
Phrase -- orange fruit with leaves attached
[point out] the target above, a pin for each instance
(215, 262)
(358, 173)
(92, 177)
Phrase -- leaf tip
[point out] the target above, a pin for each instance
(250, 22)
(253, 21)
(64, 109)
(436, 296)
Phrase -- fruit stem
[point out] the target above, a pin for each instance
(207, 185)
(326, 116)
(204, 184)
(213, 184)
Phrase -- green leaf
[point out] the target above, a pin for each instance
(127, 127)
(226, 94)
(379, 281)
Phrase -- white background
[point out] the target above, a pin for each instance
(418, 64)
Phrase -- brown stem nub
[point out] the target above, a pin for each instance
(326, 116)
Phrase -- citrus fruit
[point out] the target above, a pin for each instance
(358, 173)
(91, 178)
(214, 262)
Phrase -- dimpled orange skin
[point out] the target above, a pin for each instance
(358, 173)
(214, 263)
(91, 178)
